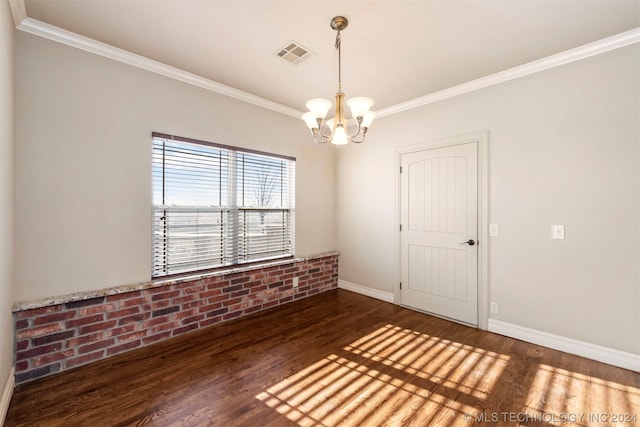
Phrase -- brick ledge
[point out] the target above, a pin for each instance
(80, 296)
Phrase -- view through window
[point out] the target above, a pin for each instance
(215, 205)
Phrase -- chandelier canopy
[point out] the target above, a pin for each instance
(318, 107)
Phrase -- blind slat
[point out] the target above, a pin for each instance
(197, 224)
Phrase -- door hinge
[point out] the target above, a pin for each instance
(400, 285)
(400, 169)
(400, 227)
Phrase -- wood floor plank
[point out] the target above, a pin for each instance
(336, 359)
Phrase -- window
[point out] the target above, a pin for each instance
(216, 206)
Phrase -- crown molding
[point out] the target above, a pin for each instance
(18, 10)
(591, 49)
(42, 29)
(33, 26)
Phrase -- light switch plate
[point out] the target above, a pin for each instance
(557, 231)
(494, 230)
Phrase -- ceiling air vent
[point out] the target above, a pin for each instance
(293, 52)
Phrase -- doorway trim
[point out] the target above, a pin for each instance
(482, 139)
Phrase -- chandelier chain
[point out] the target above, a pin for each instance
(338, 48)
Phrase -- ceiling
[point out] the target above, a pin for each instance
(392, 51)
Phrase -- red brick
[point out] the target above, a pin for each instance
(163, 327)
(75, 342)
(38, 331)
(54, 317)
(218, 285)
(219, 298)
(22, 323)
(165, 295)
(124, 295)
(72, 323)
(209, 307)
(132, 301)
(22, 345)
(156, 305)
(157, 337)
(192, 304)
(132, 336)
(217, 312)
(232, 315)
(58, 336)
(212, 293)
(193, 319)
(38, 311)
(23, 365)
(94, 309)
(39, 351)
(184, 313)
(96, 345)
(155, 321)
(97, 327)
(52, 357)
(135, 318)
(186, 298)
(194, 289)
(270, 304)
(123, 312)
(85, 358)
(211, 321)
(123, 347)
(252, 309)
(184, 329)
(123, 329)
(240, 293)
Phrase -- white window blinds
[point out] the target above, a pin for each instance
(216, 206)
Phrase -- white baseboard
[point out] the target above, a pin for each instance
(365, 290)
(607, 355)
(6, 395)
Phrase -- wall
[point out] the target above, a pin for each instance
(83, 165)
(563, 149)
(6, 194)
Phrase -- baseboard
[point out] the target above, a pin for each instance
(6, 395)
(607, 355)
(364, 290)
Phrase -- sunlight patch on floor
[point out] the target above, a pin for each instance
(392, 375)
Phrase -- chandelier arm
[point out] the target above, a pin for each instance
(364, 133)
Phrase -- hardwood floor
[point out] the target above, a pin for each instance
(337, 358)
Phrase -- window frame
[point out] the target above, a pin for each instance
(234, 211)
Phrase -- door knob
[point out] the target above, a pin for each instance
(469, 242)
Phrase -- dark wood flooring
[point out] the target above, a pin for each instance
(334, 359)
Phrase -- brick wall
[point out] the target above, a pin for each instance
(58, 337)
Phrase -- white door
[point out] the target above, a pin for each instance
(439, 229)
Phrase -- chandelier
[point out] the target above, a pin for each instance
(318, 107)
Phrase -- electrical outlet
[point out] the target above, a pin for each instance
(494, 307)
(295, 282)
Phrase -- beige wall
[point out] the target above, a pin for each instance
(83, 165)
(563, 149)
(6, 193)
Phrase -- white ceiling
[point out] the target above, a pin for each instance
(392, 51)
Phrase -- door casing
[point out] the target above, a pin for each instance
(482, 139)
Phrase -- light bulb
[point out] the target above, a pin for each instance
(368, 118)
(340, 136)
(359, 106)
(319, 107)
(310, 120)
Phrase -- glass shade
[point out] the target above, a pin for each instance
(368, 118)
(319, 107)
(340, 136)
(310, 120)
(359, 106)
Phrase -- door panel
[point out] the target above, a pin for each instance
(439, 203)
